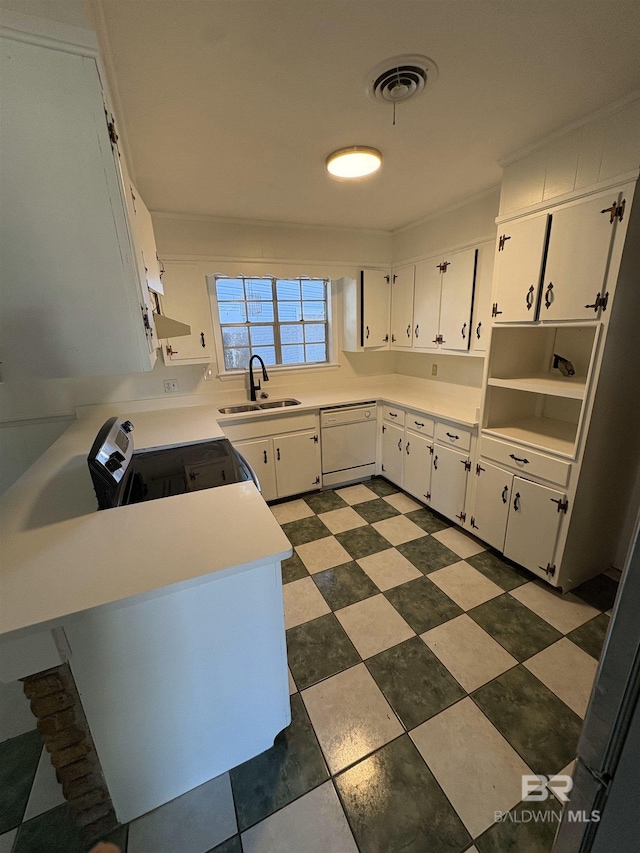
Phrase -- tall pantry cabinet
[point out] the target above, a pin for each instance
(558, 446)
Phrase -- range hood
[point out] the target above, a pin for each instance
(168, 328)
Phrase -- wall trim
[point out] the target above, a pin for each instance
(48, 33)
(242, 259)
(459, 247)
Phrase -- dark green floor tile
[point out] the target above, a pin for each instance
(231, 845)
(538, 725)
(19, 758)
(290, 768)
(514, 626)
(293, 569)
(600, 592)
(305, 530)
(393, 803)
(118, 836)
(590, 636)
(376, 510)
(344, 585)
(427, 554)
(416, 684)
(53, 832)
(519, 833)
(318, 649)
(498, 570)
(362, 541)
(422, 604)
(382, 487)
(325, 501)
(427, 520)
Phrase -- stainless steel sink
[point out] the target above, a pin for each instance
(232, 410)
(278, 404)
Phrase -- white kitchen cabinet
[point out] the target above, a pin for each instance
(297, 462)
(426, 304)
(392, 452)
(259, 454)
(73, 302)
(417, 465)
(491, 503)
(535, 515)
(449, 475)
(402, 285)
(518, 268)
(186, 298)
(458, 274)
(366, 311)
(481, 323)
(143, 235)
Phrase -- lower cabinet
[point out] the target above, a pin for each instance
(450, 470)
(492, 502)
(392, 452)
(417, 465)
(284, 464)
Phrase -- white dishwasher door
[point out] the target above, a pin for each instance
(348, 440)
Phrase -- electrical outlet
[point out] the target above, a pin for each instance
(170, 386)
(434, 370)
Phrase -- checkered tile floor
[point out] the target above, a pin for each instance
(427, 676)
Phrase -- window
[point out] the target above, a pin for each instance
(280, 319)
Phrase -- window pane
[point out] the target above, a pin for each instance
(268, 355)
(232, 312)
(288, 288)
(258, 288)
(316, 352)
(313, 310)
(260, 312)
(261, 335)
(314, 333)
(293, 354)
(235, 336)
(291, 334)
(234, 358)
(229, 288)
(289, 312)
(313, 289)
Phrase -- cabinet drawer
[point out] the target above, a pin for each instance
(393, 414)
(453, 435)
(263, 426)
(526, 461)
(418, 422)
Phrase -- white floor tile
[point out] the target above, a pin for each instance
(568, 671)
(322, 554)
(389, 568)
(314, 823)
(564, 612)
(192, 823)
(478, 780)
(291, 511)
(292, 684)
(468, 652)
(356, 494)
(398, 529)
(339, 520)
(6, 840)
(15, 712)
(303, 601)
(350, 716)
(402, 502)
(465, 585)
(373, 625)
(458, 542)
(46, 791)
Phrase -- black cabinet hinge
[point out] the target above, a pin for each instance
(387, 278)
(501, 241)
(313, 438)
(494, 310)
(563, 505)
(479, 468)
(111, 127)
(384, 429)
(466, 463)
(549, 569)
(462, 516)
(431, 449)
(616, 211)
(428, 494)
(316, 482)
(443, 266)
(473, 523)
(600, 302)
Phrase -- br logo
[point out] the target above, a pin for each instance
(538, 788)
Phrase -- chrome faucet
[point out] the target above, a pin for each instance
(256, 387)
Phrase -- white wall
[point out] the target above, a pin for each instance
(63, 11)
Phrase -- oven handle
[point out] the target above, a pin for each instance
(245, 464)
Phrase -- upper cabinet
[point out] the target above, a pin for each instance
(518, 268)
(402, 289)
(185, 296)
(366, 306)
(144, 238)
(73, 300)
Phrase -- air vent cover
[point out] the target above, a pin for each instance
(400, 78)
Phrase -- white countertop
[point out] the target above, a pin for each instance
(61, 556)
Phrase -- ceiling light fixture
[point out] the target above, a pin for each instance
(354, 162)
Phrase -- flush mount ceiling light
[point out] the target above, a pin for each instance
(354, 162)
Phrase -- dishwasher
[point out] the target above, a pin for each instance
(348, 443)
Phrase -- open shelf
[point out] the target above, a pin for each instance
(573, 387)
(542, 433)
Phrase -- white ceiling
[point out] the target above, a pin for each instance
(230, 107)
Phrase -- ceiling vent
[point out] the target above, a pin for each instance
(397, 80)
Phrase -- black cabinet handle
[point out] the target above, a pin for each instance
(548, 296)
(529, 298)
(463, 332)
(453, 437)
(202, 339)
(417, 423)
(409, 331)
(435, 462)
(505, 492)
(407, 447)
(478, 327)
(367, 332)
(518, 459)
(265, 457)
(516, 502)
(417, 331)
(393, 415)
(278, 454)
(400, 445)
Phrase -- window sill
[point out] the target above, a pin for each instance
(227, 375)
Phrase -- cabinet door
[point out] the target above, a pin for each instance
(402, 306)
(491, 504)
(259, 454)
(518, 269)
(376, 299)
(448, 480)
(482, 297)
(144, 237)
(392, 449)
(457, 300)
(297, 462)
(186, 299)
(426, 304)
(417, 465)
(533, 525)
(577, 262)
